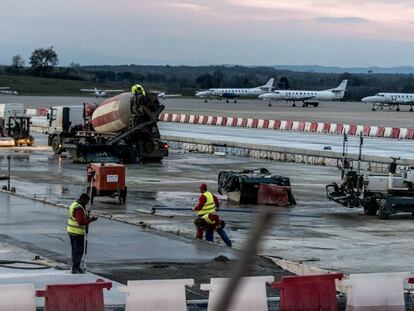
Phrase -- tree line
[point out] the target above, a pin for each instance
(44, 62)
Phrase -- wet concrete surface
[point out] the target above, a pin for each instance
(384, 147)
(343, 112)
(317, 232)
(43, 229)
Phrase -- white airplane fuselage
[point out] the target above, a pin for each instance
(301, 95)
(232, 93)
(390, 99)
(306, 96)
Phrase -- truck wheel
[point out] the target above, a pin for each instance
(371, 208)
(382, 212)
(57, 145)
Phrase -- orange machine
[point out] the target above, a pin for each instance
(107, 179)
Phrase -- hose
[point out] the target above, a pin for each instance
(34, 265)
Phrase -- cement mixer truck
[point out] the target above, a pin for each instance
(121, 129)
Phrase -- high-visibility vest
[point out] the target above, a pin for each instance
(208, 220)
(137, 88)
(73, 226)
(208, 207)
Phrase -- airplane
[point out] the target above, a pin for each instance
(101, 93)
(392, 100)
(163, 95)
(233, 93)
(307, 97)
(6, 90)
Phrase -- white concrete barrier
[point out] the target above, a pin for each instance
(160, 295)
(250, 293)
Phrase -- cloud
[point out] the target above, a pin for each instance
(187, 6)
(341, 20)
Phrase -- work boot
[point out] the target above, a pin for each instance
(78, 271)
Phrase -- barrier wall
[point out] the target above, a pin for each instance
(295, 126)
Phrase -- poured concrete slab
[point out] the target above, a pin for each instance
(42, 229)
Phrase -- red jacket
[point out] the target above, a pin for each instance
(81, 218)
(202, 200)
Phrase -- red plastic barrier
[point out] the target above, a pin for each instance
(196, 118)
(177, 118)
(273, 195)
(244, 122)
(289, 125)
(313, 127)
(204, 120)
(380, 131)
(214, 121)
(187, 118)
(255, 122)
(339, 128)
(42, 112)
(75, 297)
(308, 293)
(410, 134)
(169, 118)
(352, 129)
(277, 125)
(234, 123)
(395, 133)
(301, 127)
(266, 124)
(326, 127)
(366, 130)
(162, 115)
(223, 121)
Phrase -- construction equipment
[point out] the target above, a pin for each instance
(122, 129)
(106, 179)
(257, 186)
(384, 195)
(14, 125)
(18, 128)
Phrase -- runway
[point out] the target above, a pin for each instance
(334, 112)
(372, 146)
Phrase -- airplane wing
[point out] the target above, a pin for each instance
(113, 91)
(172, 95)
(4, 88)
(87, 90)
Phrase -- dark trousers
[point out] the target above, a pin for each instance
(77, 243)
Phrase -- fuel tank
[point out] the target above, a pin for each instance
(112, 115)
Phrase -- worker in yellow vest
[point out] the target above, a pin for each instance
(137, 89)
(78, 220)
(207, 219)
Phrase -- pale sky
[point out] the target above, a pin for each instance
(203, 32)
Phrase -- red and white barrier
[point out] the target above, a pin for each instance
(283, 125)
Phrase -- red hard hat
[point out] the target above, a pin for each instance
(203, 187)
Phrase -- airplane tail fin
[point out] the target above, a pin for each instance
(269, 85)
(340, 90)
(342, 86)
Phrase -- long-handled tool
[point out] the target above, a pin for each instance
(88, 214)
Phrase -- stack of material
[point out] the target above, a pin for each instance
(257, 186)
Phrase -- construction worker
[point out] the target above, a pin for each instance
(207, 219)
(78, 220)
(137, 89)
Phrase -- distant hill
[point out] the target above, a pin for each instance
(333, 69)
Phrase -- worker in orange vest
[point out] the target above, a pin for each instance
(207, 219)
